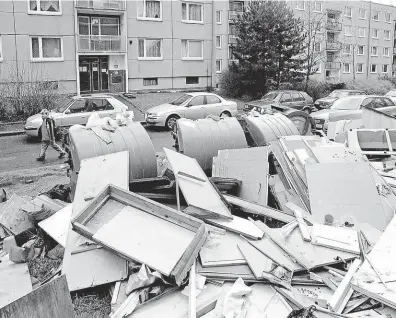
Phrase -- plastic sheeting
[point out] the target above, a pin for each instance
(203, 138)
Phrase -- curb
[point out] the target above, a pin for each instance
(11, 133)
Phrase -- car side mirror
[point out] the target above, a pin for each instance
(67, 111)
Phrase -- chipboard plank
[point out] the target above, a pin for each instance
(146, 238)
(345, 190)
(240, 226)
(52, 300)
(249, 165)
(98, 266)
(200, 194)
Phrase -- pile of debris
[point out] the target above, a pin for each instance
(301, 227)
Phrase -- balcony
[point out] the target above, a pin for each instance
(333, 46)
(232, 39)
(333, 26)
(232, 15)
(100, 43)
(330, 65)
(117, 5)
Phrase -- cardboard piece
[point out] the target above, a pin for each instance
(12, 217)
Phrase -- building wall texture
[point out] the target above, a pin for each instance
(18, 25)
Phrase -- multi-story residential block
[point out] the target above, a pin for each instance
(88, 46)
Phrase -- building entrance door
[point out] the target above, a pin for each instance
(94, 74)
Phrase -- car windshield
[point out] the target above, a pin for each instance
(180, 100)
(64, 104)
(339, 94)
(352, 103)
(270, 96)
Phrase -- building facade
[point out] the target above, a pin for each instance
(89, 46)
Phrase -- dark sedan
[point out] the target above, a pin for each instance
(292, 99)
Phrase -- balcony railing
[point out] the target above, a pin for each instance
(333, 46)
(100, 43)
(232, 39)
(119, 5)
(333, 26)
(234, 14)
(333, 65)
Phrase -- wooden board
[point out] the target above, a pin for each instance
(346, 191)
(51, 300)
(224, 251)
(240, 226)
(12, 217)
(383, 258)
(307, 254)
(96, 267)
(15, 281)
(145, 238)
(193, 190)
(337, 154)
(249, 165)
(57, 225)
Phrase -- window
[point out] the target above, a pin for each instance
(359, 68)
(318, 68)
(192, 49)
(375, 33)
(192, 12)
(317, 47)
(373, 68)
(197, 100)
(79, 106)
(361, 32)
(98, 26)
(150, 49)
(211, 99)
(347, 67)
(388, 17)
(348, 30)
(317, 5)
(286, 98)
(98, 104)
(348, 49)
(300, 5)
(387, 35)
(150, 81)
(385, 68)
(218, 41)
(362, 13)
(297, 97)
(374, 51)
(218, 17)
(360, 50)
(46, 49)
(218, 66)
(149, 9)
(348, 12)
(375, 15)
(386, 52)
(50, 7)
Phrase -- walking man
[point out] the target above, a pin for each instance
(48, 136)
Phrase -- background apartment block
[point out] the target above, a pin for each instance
(90, 46)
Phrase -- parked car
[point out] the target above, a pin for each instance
(291, 99)
(326, 102)
(349, 106)
(191, 106)
(76, 110)
(392, 95)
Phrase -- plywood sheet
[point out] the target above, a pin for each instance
(248, 165)
(222, 250)
(146, 238)
(15, 281)
(194, 191)
(240, 226)
(346, 191)
(57, 225)
(12, 217)
(51, 300)
(383, 258)
(95, 267)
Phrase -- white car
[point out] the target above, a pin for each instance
(190, 106)
(76, 111)
(392, 95)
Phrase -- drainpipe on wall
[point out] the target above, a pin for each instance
(125, 27)
(368, 41)
(15, 42)
(172, 48)
(213, 59)
(76, 46)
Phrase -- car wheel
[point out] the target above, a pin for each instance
(171, 121)
(225, 114)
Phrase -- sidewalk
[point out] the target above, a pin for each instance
(11, 129)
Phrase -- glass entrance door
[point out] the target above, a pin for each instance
(94, 74)
(85, 77)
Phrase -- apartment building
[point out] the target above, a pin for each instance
(89, 46)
